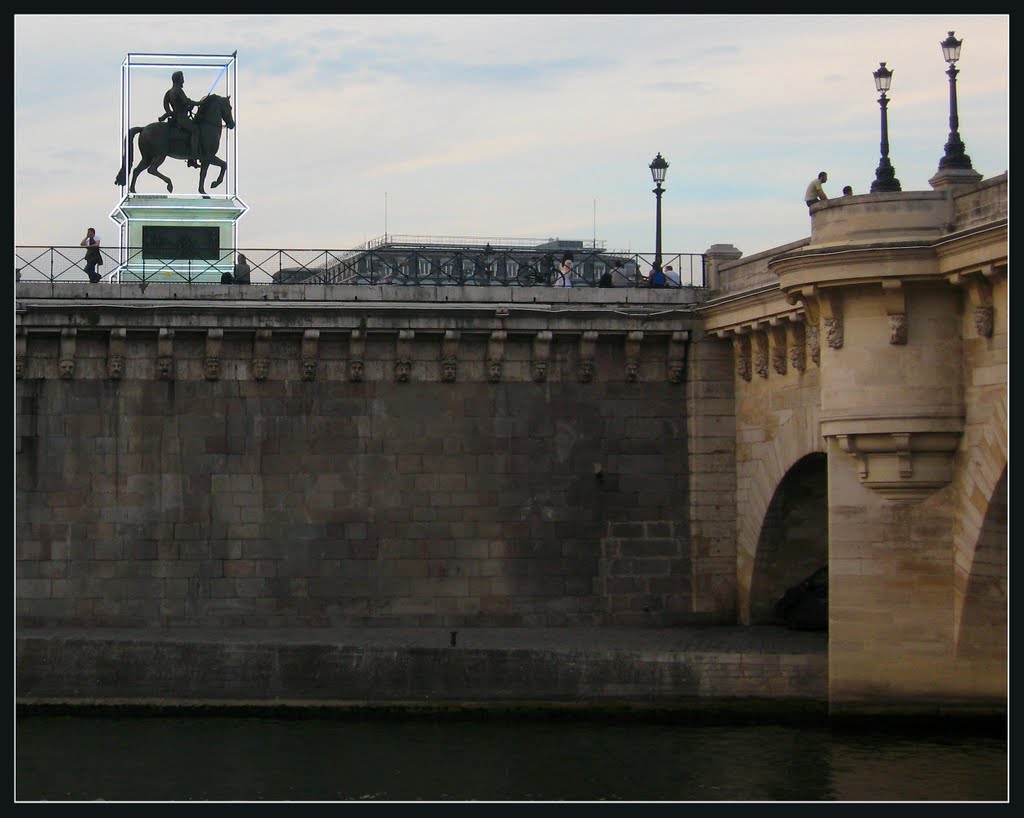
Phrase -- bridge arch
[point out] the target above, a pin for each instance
(762, 466)
(793, 542)
(982, 630)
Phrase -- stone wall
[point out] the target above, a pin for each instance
(258, 480)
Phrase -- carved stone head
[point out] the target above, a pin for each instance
(834, 332)
(632, 371)
(540, 371)
(115, 366)
(676, 370)
(403, 368)
(813, 343)
(67, 367)
(260, 368)
(494, 370)
(212, 368)
(164, 368)
(448, 369)
(984, 321)
(586, 371)
(898, 328)
(309, 369)
(355, 370)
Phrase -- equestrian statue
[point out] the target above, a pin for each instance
(196, 139)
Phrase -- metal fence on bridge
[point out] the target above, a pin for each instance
(395, 265)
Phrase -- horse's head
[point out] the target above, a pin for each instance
(216, 107)
(226, 113)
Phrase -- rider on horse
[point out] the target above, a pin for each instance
(177, 107)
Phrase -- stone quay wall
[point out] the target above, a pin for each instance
(188, 457)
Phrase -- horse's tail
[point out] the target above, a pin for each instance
(122, 174)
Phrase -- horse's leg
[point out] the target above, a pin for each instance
(223, 167)
(203, 167)
(143, 164)
(153, 165)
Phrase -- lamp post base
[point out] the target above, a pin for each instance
(885, 179)
(949, 177)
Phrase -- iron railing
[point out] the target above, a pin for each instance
(395, 265)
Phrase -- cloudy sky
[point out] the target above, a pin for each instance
(510, 126)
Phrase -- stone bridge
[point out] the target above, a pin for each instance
(290, 456)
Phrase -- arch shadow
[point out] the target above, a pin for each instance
(983, 620)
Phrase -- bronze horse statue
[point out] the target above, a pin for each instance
(158, 140)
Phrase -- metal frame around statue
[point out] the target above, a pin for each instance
(145, 79)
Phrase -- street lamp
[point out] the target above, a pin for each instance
(954, 156)
(658, 168)
(885, 175)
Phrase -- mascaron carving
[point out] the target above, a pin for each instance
(115, 366)
(814, 343)
(449, 369)
(898, 328)
(403, 368)
(260, 368)
(834, 332)
(984, 321)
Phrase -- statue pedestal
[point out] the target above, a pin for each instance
(177, 238)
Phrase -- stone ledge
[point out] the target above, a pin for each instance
(546, 665)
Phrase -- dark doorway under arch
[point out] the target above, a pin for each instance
(794, 536)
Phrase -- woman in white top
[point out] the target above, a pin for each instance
(564, 276)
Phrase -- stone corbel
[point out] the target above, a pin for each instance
(896, 309)
(677, 356)
(587, 349)
(165, 354)
(495, 354)
(831, 307)
(214, 343)
(633, 342)
(310, 354)
(261, 354)
(777, 338)
(814, 343)
(68, 338)
(450, 355)
(760, 353)
(541, 355)
(979, 298)
(741, 352)
(356, 355)
(903, 466)
(797, 337)
(403, 355)
(116, 353)
(21, 347)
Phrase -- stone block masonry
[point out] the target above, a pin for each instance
(304, 493)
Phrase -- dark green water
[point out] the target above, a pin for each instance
(230, 758)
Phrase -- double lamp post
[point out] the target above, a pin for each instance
(955, 156)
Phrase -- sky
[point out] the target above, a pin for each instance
(508, 126)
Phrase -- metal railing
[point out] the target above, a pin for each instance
(389, 264)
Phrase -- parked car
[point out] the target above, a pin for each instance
(805, 605)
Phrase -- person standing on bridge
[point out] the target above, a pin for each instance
(93, 257)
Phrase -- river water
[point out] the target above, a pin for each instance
(259, 758)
